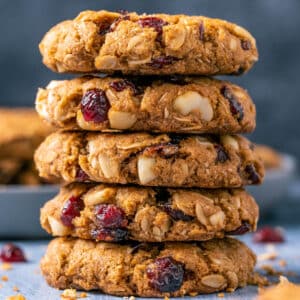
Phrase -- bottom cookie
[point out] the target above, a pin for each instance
(148, 270)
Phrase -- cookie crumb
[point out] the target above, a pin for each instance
(193, 294)
(6, 267)
(4, 278)
(83, 295)
(16, 297)
(283, 290)
(267, 256)
(221, 295)
(16, 289)
(69, 294)
(282, 263)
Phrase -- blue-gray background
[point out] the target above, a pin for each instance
(273, 83)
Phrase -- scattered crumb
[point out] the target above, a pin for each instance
(4, 278)
(270, 270)
(267, 256)
(16, 297)
(71, 294)
(221, 295)
(167, 298)
(230, 290)
(282, 263)
(193, 294)
(283, 290)
(16, 289)
(5, 267)
(129, 298)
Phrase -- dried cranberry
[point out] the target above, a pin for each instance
(12, 253)
(176, 79)
(121, 85)
(245, 227)
(252, 175)
(165, 274)
(104, 28)
(166, 150)
(235, 107)
(268, 235)
(110, 216)
(222, 155)
(115, 24)
(109, 234)
(161, 61)
(239, 71)
(155, 23)
(81, 175)
(246, 45)
(71, 209)
(201, 31)
(176, 214)
(95, 106)
(176, 138)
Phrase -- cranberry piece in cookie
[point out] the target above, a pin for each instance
(176, 214)
(110, 216)
(161, 61)
(155, 23)
(121, 85)
(109, 235)
(71, 209)
(268, 235)
(245, 227)
(201, 31)
(81, 175)
(222, 155)
(165, 274)
(235, 107)
(94, 106)
(252, 175)
(246, 45)
(11, 253)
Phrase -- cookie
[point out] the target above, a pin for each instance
(151, 160)
(107, 42)
(8, 169)
(171, 104)
(117, 213)
(21, 132)
(270, 157)
(148, 270)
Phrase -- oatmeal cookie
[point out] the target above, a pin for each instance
(102, 41)
(117, 213)
(173, 104)
(148, 270)
(151, 160)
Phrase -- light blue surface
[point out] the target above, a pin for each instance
(31, 284)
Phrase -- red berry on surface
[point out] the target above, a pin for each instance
(12, 253)
(71, 209)
(268, 235)
(110, 216)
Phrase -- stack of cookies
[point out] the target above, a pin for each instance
(153, 166)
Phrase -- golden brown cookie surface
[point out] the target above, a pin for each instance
(102, 41)
(116, 213)
(152, 160)
(148, 270)
(174, 104)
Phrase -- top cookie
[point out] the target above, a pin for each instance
(102, 41)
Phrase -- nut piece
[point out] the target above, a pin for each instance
(217, 219)
(215, 281)
(121, 120)
(106, 62)
(95, 196)
(109, 167)
(57, 228)
(228, 140)
(175, 37)
(200, 214)
(192, 101)
(145, 165)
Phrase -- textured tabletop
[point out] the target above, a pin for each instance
(27, 278)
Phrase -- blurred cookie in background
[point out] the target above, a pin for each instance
(21, 132)
(270, 157)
